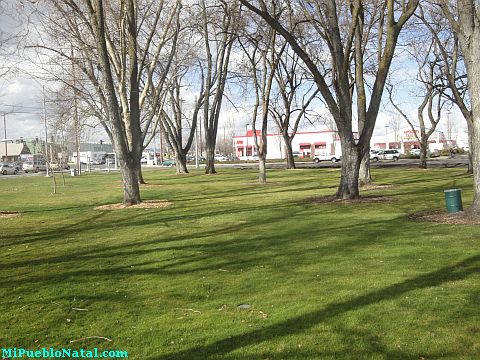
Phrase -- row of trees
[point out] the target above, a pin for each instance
(132, 63)
(357, 42)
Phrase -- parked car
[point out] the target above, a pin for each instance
(58, 166)
(415, 153)
(17, 166)
(390, 154)
(374, 155)
(327, 157)
(8, 169)
(220, 158)
(434, 153)
(169, 163)
(35, 166)
(296, 153)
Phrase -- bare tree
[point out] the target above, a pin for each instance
(453, 67)
(463, 16)
(173, 123)
(433, 98)
(10, 35)
(124, 49)
(259, 48)
(218, 33)
(361, 38)
(395, 123)
(294, 93)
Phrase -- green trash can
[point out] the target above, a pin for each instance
(453, 200)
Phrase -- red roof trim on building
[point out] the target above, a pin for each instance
(297, 133)
(320, 143)
(305, 144)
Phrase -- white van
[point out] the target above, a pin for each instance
(34, 165)
(327, 157)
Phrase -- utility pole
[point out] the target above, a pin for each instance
(386, 136)
(161, 145)
(196, 149)
(201, 138)
(75, 114)
(46, 132)
(5, 136)
(246, 146)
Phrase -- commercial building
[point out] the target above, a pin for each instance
(10, 151)
(405, 140)
(327, 142)
(304, 144)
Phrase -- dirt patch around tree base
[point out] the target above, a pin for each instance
(442, 217)
(377, 187)
(8, 214)
(148, 204)
(362, 200)
(256, 183)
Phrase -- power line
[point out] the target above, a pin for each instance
(20, 112)
(21, 106)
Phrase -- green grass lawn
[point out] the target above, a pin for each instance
(323, 281)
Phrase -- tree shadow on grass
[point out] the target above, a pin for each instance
(222, 251)
(299, 324)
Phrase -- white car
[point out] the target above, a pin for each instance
(327, 157)
(221, 158)
(390, 154)
(374, 155)
(35, 166)
(415, 152)
(7, 169)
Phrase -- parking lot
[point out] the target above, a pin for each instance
(458, 161)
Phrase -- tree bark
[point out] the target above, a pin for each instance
(262, 170)
(475, 153)
(365, 176)
(470, 146)
(423, 153)
(289, 152)
(129, 169)
(351, 159)
(181, 161)
(471, 50)
(141, 180)
(129, 158)
(210, 154)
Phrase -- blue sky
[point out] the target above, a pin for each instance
(21, 96)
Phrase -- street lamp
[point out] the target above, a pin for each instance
(386, 136)
(46, 131)
(246, 146)
(5, 138)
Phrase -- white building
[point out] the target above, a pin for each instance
(405, 140)
(327, 142)
(304, 144)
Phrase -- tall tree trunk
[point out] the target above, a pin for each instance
(141, 180)
(210, 153)
(129, 161)
(423, 153)
(365, 177)
(262, 170)
(475, 153)
(129, 169)
(351, 159)
(289, 153)
(470, 146)
(181, 161)
(473, 70)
